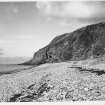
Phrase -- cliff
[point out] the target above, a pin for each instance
(81, 44)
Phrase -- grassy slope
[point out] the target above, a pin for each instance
(53, 82)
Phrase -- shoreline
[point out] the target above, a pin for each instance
(23, 67)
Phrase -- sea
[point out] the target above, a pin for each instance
(10, 65)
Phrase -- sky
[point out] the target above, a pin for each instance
(25, 27)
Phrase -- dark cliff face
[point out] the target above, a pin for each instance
(81, 44)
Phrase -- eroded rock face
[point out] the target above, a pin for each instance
(81, 44)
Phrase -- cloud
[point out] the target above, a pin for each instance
(1, 51)
(65, 9)
(89, 11)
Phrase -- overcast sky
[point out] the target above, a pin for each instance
(26, 27)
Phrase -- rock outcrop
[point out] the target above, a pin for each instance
(81, 44)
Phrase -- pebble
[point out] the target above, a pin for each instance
(86, 89)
